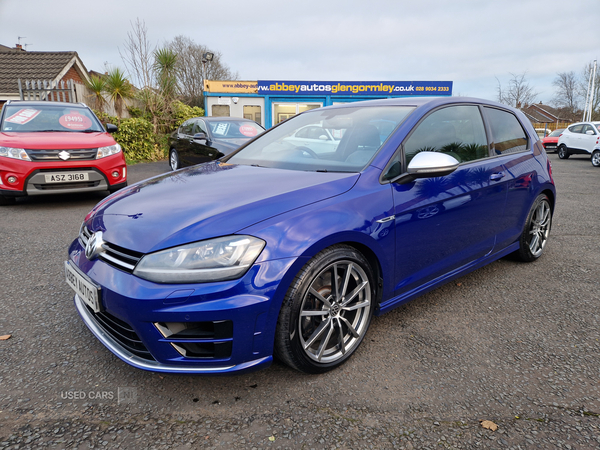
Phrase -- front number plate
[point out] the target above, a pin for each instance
(87, 291)
(68, 177)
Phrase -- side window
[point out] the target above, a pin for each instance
(199, 126)
(318, 133)
(587, 128)
(456, 130)
(303, 133)
(576, 128)
(186, 128)
(507, 132)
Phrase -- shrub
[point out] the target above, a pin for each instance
(138, 141)
(183, 112)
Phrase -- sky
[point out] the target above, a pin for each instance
(473, 43)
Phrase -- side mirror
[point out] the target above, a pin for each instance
(200, 136)
(427, 165)
(110, 128)
(590, 132)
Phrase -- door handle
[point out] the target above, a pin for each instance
(497, 176)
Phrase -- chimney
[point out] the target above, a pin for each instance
(18, 46)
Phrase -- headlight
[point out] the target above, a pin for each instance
(218, 259)
(103, 152)
(15, 153)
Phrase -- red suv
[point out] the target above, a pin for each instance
(54, 148)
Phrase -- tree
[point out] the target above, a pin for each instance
(137, 55)
(518, 94)
(566, 95)
(118, 89)
(97, 85)
(192, 71)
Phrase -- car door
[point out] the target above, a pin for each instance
(445, 223)
(513, 148)
(201, 150)
(184, 138)
(572, 139)
(588, 138)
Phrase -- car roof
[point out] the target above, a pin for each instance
(44, 103)
(221, 119)
(430, 102)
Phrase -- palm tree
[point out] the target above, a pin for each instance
(97, 85)
(118, 89)
(165, 67)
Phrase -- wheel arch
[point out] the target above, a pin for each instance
(362, 243)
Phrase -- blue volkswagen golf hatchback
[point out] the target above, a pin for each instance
(287, 249)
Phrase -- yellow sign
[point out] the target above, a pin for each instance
(231, 87)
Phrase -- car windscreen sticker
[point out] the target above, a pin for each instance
(75, 121)
(23, 116)
(248, 130)
(221, 129)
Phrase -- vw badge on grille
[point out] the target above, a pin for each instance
(64, 155)
(94, 245)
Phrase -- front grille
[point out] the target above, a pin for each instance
(122, 332)
(83, 154)
(116, 256)
(57, 186)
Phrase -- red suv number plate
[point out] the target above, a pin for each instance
(66, 177)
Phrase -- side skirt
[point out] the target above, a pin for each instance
(394, 302)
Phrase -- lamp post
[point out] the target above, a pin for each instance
(206, 57)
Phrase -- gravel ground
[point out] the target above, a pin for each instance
(515, 344)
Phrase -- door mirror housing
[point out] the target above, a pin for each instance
(427, 165)
(200, 136)
(110, 128)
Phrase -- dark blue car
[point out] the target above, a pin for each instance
(284, 250)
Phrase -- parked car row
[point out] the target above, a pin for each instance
(288, 245)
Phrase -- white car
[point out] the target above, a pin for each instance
(596, 156)
(579, 139)
(315, 138)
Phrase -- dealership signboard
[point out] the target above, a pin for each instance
(367, 88)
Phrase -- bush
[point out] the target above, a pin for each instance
(138, 140)
(183, 112)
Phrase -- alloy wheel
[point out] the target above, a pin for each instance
(539, 228)
(335, 312)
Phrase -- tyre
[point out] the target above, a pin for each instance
(537, 228)
(326, 311)
(563, 153)
(596, 158)
(174, 159)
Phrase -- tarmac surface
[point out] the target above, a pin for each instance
(514, 344)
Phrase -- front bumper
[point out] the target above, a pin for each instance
(25, 178)
(114, 346)
(135, 314)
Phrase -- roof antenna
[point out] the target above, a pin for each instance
(19, 46)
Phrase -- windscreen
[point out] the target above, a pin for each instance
(31, 118)
(330, 139)
(232, 129)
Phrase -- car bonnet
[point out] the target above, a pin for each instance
(206, 201)
(55, 140)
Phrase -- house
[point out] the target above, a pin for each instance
(540, 113)
(17, 63)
